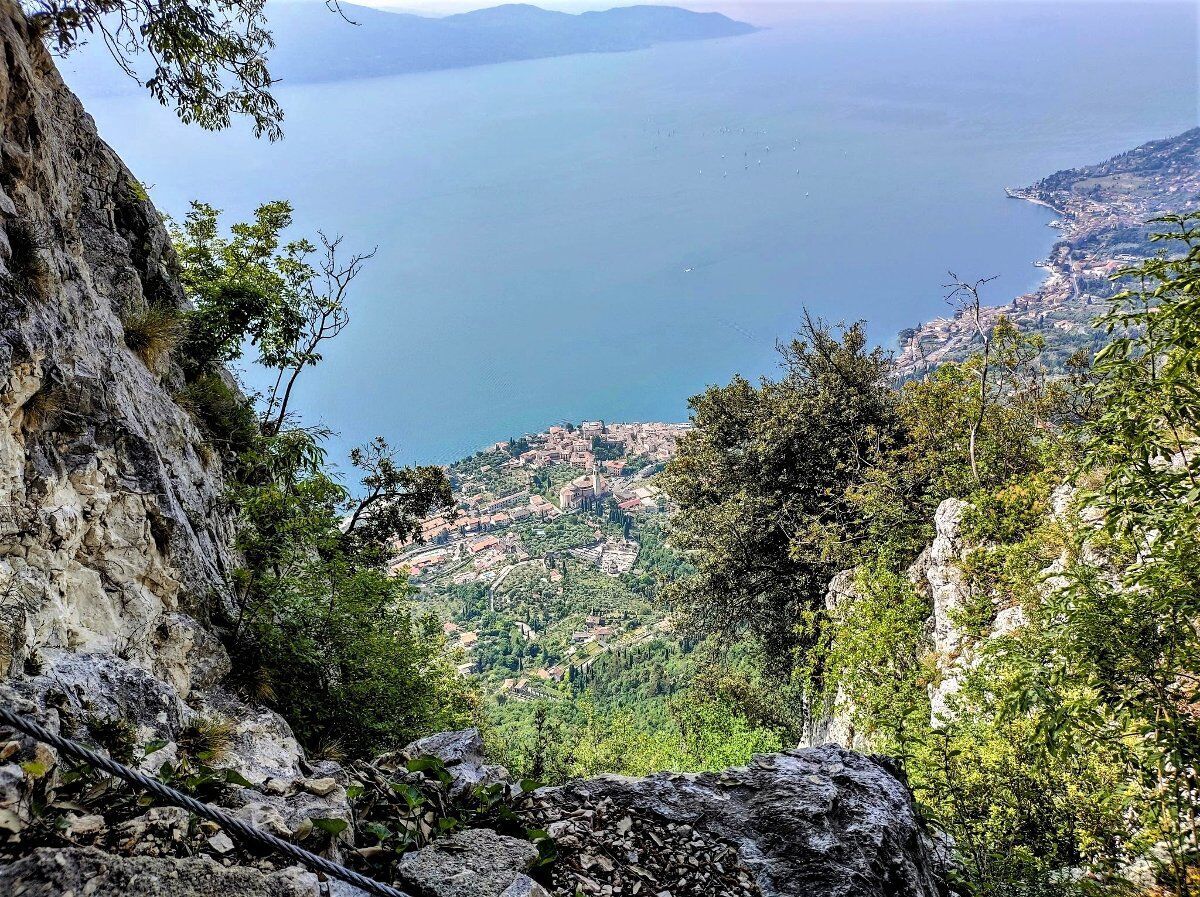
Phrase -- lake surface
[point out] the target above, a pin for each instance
(602, 236)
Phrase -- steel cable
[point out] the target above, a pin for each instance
(232, 825)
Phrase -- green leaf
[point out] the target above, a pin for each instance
(35, 769)
(432, 766)
(333, 827)
(233, 777)
(411, 795)
(380, 831)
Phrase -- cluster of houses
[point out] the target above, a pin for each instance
(475, 544)
(475, 530)
(574, 445)
(595, 629)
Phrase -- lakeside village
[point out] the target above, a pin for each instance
(533, 573)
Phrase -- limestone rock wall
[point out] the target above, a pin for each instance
(938, 574)
(111, 520)
(949, 591)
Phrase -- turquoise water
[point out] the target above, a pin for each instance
(602, 236)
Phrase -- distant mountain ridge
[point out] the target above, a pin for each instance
(314, 44)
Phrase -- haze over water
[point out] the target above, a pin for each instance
(602, 236)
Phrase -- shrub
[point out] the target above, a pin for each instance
(207, 739)
(225, 416)
(43, 407)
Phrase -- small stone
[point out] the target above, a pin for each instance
(524, 886)
(321, 787)
(221, 843)
(85, 826)
(277, 786)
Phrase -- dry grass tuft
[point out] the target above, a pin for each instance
(154, 334)
(28, 271)
(331, 749)
(42, 409)
(207, 739)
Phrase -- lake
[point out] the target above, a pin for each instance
(602, 236)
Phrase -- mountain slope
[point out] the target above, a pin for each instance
(116, 550)
(314, 45)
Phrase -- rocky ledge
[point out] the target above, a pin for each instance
(819, 821)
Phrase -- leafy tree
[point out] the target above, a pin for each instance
(1023, 824)
(284, 298)
(585, 737)
(873, 665)
(317, 627)
(321, 629)
(763, 478)
(245, 287)
(207, 58)
(321, 314)
(394, 499)
(1017, 434)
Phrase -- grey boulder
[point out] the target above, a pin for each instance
(822, 821)
(55, 873)
(462, 753)
(473, 863)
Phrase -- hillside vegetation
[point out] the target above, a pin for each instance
(986, 573)
(1013, 609)
(1032, 658)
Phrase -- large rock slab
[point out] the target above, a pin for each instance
(461, 752)
(90, 872)
(822, 821)
(473, 863)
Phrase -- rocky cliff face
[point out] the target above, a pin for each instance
(110, 510)
(114, 542)
(938, 574)
(114, 558)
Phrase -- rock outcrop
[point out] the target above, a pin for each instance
(114, 532)
(474, 863)
(824, 821)
(949, 592)
(939, 574)
(111, 519)
(57, 873)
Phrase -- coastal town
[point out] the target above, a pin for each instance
(475, 529)
(1103, 213)
(540, 549)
